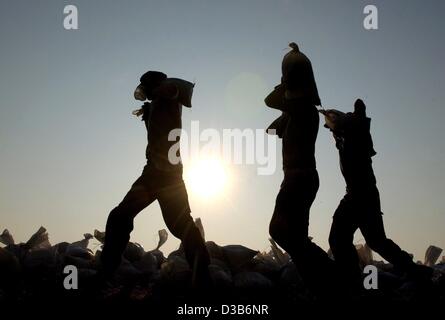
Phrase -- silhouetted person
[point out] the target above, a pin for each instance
(297, 97)
(161, 178)
(360, 207)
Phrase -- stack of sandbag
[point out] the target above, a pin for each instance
(28, 267)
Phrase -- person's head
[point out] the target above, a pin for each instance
(149, 82)
(360, 108)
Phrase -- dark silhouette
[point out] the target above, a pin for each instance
(297, 97)
(360, 207)
(161, 178)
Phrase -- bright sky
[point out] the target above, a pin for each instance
(70, 148)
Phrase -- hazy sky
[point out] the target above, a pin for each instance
(70, 148)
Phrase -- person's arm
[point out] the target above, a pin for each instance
(279, 125)
(276, 100)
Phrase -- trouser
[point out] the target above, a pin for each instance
(289, 228)
(169, 189)
(362, 211)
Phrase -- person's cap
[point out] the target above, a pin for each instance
(149, 80)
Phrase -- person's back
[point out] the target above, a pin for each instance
(163, 117)
(299, 137)
(356, 150)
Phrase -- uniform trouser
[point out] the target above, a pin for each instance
(362, 211)
(290, 223)
(170, 191)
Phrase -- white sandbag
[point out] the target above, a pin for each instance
(6, 238)
(163, 236)
(99, 235)
(84, 242)
(431, 255)
(40, 258)
(39, 240)
(185, 90)
(238, 256)
(79, 252)
(365, 254)
(61, 247)
(279, 255)
(334, 119)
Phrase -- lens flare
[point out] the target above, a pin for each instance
(206, 177)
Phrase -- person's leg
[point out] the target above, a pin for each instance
(372, 228)
(120, 224)
(175, 207)
(341, 239)
(290, 221)
(289, 228)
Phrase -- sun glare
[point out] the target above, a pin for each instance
(206, 177)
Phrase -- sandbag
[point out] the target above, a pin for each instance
(39, 239)
(214, 250)
(431, 255)
(251, 280)
(220, 277)
(238, 256)
(6, 238)
(365, 254)
(133, 252)
(40, 259)
(147, 264)
(200, 227)
(163, 236)
(99, 235)
(84, 242)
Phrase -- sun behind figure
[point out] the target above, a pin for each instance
(206, 177)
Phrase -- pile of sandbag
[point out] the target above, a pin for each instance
(26, 268)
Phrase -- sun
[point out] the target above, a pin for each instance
(207, 177)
